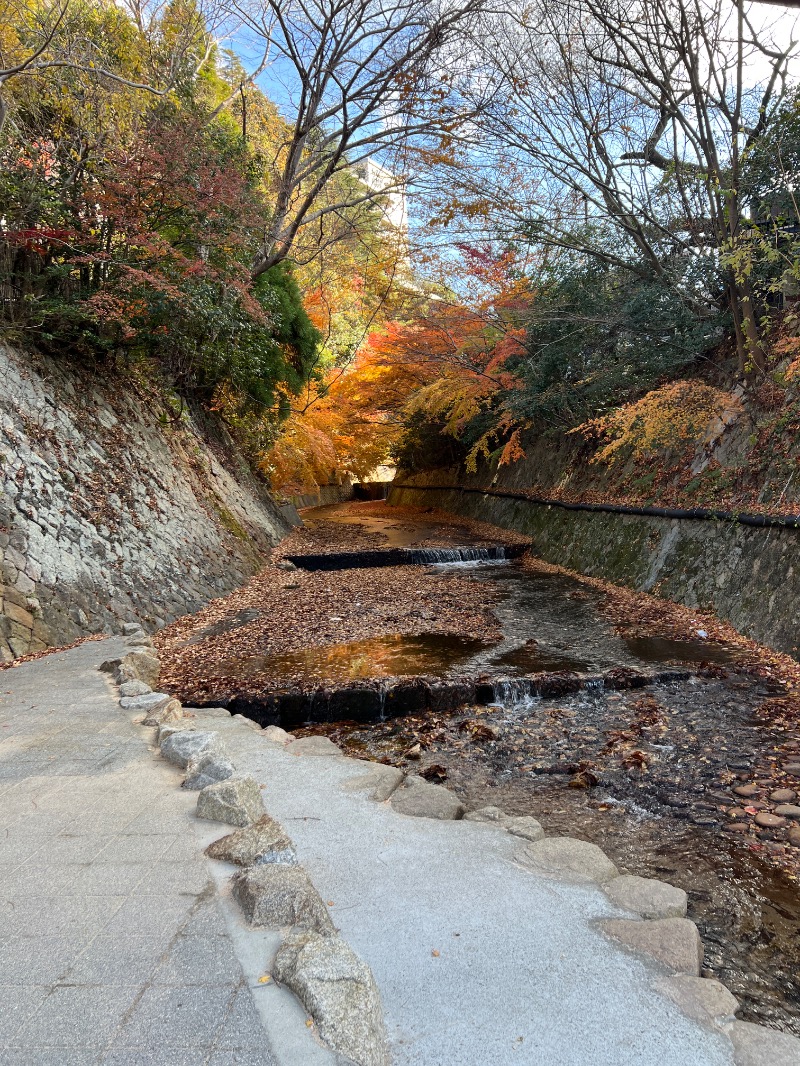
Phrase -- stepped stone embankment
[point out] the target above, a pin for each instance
(108, 511)
(747, 576)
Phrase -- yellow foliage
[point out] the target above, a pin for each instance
(675, 415)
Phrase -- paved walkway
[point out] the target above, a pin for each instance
(119, 944)
(113, 946)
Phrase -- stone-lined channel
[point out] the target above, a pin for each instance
(648, 773)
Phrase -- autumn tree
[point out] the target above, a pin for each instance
(357, 80)
(627, 125)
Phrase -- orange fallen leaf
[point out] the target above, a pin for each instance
(435, 953)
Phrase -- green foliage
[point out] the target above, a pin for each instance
(129, 221)
(598, 336)
(425, 445)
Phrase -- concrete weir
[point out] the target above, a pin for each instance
(746, 575)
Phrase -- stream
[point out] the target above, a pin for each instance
(647, 774)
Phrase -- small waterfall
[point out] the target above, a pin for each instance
(423, 556)
(513, 691)
(382, 693)
(594, 685)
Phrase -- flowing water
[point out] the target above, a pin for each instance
(648, 775)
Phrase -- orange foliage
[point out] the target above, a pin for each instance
(447, 360)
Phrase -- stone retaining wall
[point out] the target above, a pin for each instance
(749, 577)
(107, 511)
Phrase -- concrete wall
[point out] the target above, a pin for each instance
(749, 577)
(325, 495)
(106, 513)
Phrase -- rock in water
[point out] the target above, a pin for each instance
(647, 897)
(236, 801)
(674, 942)
(487, 814)
(313, 746)
(755, 1045)
(567, 858)
(272, 896)
(339, 992)
(524, 826)
(262, 842)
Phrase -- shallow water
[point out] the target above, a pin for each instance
(568, 763)
(392, 656)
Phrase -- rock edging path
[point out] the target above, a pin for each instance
(412, 939)
(338, 988)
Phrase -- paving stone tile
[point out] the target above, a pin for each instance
(242, 1028)
(99, 821)
(206, 920)
(184, 847)
(173, 878)
(31, 916)
(118, 960)
(77, 849)
(176, 1018)
(18, 1003)
(20, 850)
(101, 879)
(84, 1017)
(47, 1057)
(143, 1057)
(242, 1057)
(134, 849)
(38, 960)
(31, 877)
(197, 960)
(151, 915)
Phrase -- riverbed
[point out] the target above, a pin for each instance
(644, 738)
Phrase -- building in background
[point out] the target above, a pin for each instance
(379, 179)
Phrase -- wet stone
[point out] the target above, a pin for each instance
(486, 814)
(567, 858)
(794, 838)
(783, 795)
(769, 821)
(788, 810)
(747, 790)
(647, 897)
(755, 1045)
(524, 826)
(701, 998)
(313, 746)
(419, 799)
